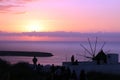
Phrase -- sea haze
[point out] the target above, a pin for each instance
(58, 36)
(62, 50)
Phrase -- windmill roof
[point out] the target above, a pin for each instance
(101, 55)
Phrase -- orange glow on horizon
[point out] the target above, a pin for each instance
(34, 27)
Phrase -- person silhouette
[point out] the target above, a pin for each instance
(34, 60)
(72, 59)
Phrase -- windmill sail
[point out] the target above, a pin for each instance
(93, 49)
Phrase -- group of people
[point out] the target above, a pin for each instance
(73, 61)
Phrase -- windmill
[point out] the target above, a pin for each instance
(92, 52)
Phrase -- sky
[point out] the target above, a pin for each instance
(82, 16)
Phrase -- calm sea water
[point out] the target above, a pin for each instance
(62, 51)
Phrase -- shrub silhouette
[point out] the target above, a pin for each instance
(4, 69)
(22, 71)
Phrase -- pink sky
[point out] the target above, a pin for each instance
(60, 15)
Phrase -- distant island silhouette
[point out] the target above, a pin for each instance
(25, 53)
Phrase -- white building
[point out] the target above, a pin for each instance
(101, 63)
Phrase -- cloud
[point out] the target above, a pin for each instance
(44, 34)
(28, 0)
(7, 6)
(62, 34)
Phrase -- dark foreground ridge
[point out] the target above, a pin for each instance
(25, 53)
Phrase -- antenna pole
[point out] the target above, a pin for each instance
(66, 57)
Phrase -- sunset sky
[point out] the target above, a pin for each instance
(85, 16)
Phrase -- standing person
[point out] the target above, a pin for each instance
(72, 59)
(34, 60)
(34, 63)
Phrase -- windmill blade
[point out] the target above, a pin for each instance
(103, 45)
(107, 51)
(95, 46)
(90, 46)
(85, 56)
(89, 60)
(88, 57)
(86, 49)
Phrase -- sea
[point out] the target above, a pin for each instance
(62, 50)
